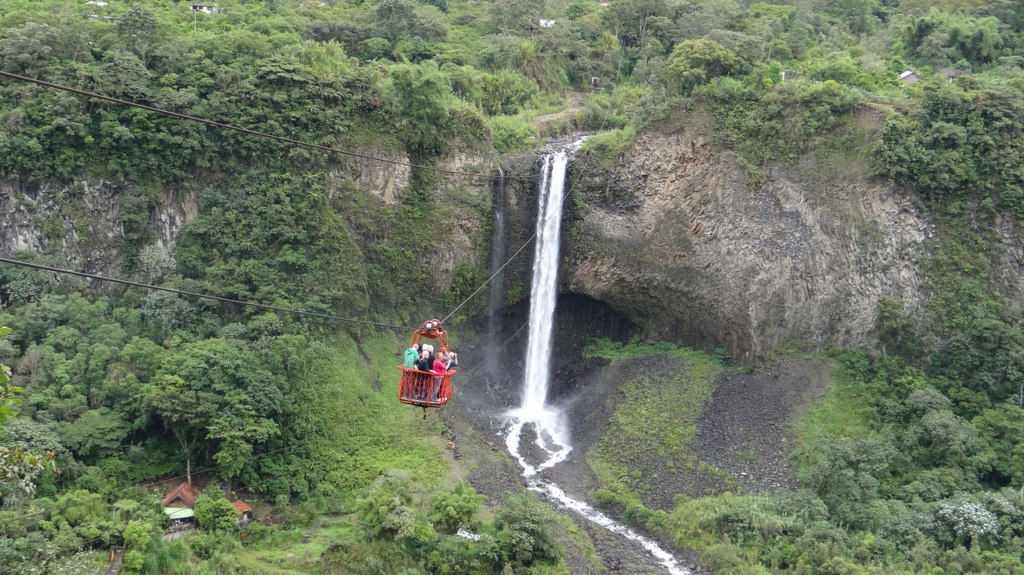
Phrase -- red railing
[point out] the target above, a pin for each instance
(422, 388)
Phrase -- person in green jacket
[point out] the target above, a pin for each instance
(411, 355)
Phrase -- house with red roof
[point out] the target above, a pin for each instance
(178, 505)
(244, 511)
(183, 495)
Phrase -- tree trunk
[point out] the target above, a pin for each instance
(188, 470)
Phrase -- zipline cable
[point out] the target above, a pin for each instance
(200, 295)
(224, 126)
(497, 351)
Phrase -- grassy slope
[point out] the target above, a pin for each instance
(657, 413)
(842, 412)
(374, 433)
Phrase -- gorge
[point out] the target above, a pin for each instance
(736, 287)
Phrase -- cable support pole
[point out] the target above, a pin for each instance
(200, 295)
(224, 126)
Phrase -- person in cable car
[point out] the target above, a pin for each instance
(412, 355)
(426, 381)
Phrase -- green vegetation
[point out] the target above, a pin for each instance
(606, 147)
(911, 463)
(653, 416)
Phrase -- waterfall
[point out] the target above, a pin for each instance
(497, 254)
(551, 433)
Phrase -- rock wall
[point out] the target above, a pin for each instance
(675, 237)
(79, 220)
(672, 235)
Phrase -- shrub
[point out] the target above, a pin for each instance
(511, 133)
(373, 48)
(387, 495)
(524, 530)
(215, 514)
(594, 117)
(607, 147)
(450, 509)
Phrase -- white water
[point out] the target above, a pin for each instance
(548, 422)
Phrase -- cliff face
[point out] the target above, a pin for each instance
(675, 237)
(82, 221)
(672, 235)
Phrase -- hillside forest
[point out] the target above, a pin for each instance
(110, 396)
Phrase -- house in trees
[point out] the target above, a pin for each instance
(178, 505)
(909, 77)
(952, 74)
(183, 495)
(244, 511)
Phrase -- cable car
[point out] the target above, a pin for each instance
(422, 388)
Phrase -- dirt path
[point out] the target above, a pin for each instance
(574, 103)
(115, 566)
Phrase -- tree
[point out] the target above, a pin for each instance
(185, 411)
(946, 439)
(216, 392)
(988, 358)
(846, 473)
(398, 20)
(454, 508)
(97, 432)
(856, 14)
(26, 50)
(139, 28)
(694, 62)
(373, 48)
(422, 95)
(215, 513)
(237, 428)
(18, 467)
(8, 393)
(78, 507)
(1001, 430)
(629, 20)
(895, 329)
(515, 15)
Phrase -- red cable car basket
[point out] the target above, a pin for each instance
(426, 388)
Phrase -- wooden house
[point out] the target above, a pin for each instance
(244, 511)
(183, 495)
(178, 506)
(909, 77)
